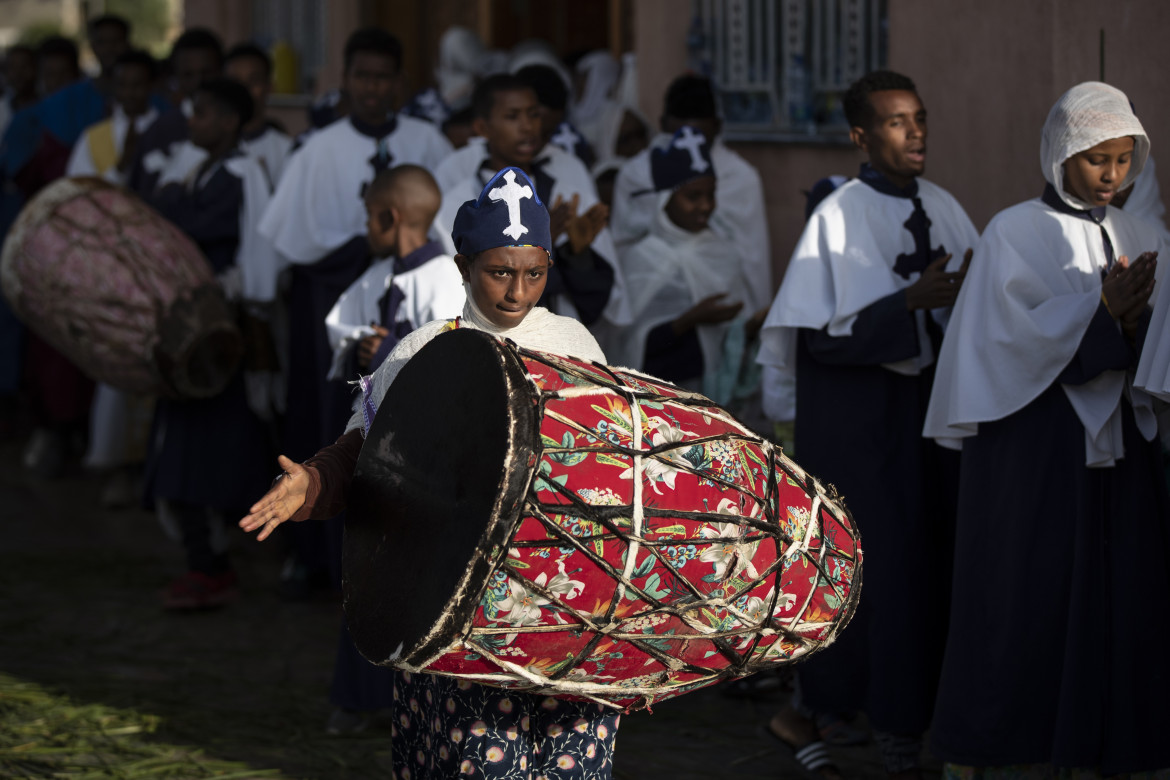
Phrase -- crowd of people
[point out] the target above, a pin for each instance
(986, 404)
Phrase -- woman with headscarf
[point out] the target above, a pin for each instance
(445, 727)
(1055, 657)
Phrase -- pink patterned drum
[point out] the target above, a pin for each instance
(120, 291)
(534, 522)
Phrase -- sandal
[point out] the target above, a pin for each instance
(813, 756)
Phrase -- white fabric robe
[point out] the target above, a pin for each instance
(668, 272)
(461, 164)
(318, 203)
(570, 177)
(1029, 296)
(739, 211)
(843, 263)
(81, 161)
(540, 330)
(271, 149)
(432, 291)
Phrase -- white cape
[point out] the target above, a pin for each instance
(318, 206)
(540, 330)
(1028, 299)
(432, 291)
(570, 177)
(668, 272)
(843, 263)
(739, 216)
(271, 149)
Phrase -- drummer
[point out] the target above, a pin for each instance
(503, 245)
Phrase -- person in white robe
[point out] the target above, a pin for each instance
(1062, 552)
(102, 149)
(196, 55)
(856, 327)
(414, 283)
(218, 209)
(504, 282)
(262, 139)
(690, 100)
(687, 286)
(586, 281)
(595, 77)
(317, 220)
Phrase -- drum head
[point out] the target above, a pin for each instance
(443, 469)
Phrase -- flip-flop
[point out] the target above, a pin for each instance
(813, 757)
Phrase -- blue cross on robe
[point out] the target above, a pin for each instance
(919, 227)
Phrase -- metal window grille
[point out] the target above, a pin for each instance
(301, 24)
(781, 66)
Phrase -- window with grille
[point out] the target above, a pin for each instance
(782, 66)
(299, 23)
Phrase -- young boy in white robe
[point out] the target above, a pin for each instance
(218, 209)
(414, 282)
(164, 151)
(584, 282)
(1055, 662)
(317, 221)
(690, 100)
(858, 322)
(687, 285)
(106, 149)
(262, 139)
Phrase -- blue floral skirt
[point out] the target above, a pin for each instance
(446, 728)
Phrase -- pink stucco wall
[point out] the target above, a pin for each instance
(987, 71)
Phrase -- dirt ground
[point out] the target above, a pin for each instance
(96, 680)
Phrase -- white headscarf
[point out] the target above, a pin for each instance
(1032, 290)
(460, 56)
(1086, 115)
(541, 330)
(600, 71)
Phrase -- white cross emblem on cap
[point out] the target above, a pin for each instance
(512, 193)
(692, 142)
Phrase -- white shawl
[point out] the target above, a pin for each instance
(668, 272)
(540, 330)
(1032, 290)
(842, 264)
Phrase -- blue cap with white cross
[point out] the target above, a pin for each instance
(508, 212)
(685, 157)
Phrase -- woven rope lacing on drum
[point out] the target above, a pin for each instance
(740, 662)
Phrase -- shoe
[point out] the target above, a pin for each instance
(197, 590)
(343, 722)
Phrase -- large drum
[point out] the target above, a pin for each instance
(534, 522)
(119, 291)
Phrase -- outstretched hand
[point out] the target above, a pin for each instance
(937, 288)
(281, 501)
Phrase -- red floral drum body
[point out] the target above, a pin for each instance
(120, 291)
(638, 541)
